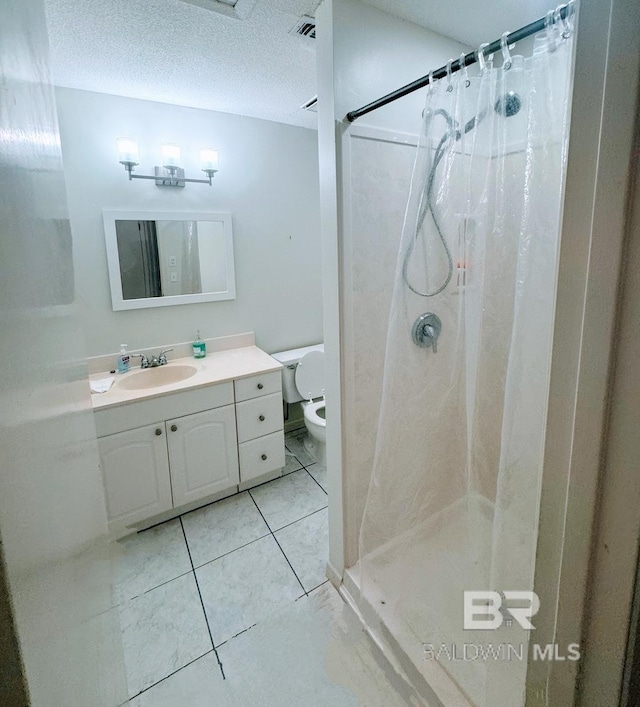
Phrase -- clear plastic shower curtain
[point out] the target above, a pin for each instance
(455, 489)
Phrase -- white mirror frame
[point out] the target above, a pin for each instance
(119, 303)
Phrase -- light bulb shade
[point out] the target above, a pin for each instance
(127, 150)
(209, 159)
(170, 155)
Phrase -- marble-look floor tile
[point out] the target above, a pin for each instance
(295, 445)
(245, 586)
(306, 545)
(291, 463)
(289, 498)
(199, 684)
(150, 558)
(319, 473)
(312, 653)
(162, 631)
(224, 526)
(297, 432)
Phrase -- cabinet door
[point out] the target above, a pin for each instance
(135, 471)
(203, 454)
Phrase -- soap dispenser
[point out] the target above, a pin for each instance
(199, 346)
(124, 360)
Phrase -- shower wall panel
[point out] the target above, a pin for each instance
(376, 189)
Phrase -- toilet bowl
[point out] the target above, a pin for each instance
(316, 424)
(303, 381)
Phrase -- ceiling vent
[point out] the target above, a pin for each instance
(305, 28)
(311, 105)
(238, 9)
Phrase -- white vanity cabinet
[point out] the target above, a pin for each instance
(161, 456)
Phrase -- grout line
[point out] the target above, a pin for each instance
(146, 591)
(235, 635)
(288, 525)
(166, 677)
(262, 537)
(278, 544)
(204, 611)
(314, 478)
(255, 540)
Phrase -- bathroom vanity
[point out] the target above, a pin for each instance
(175, 437)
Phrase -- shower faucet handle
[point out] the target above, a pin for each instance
(426, 330)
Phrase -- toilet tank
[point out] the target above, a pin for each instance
(290, 359)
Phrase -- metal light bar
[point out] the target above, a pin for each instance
(534, 27)
(170, 177)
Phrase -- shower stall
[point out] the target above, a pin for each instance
(452, 503)
(450, 207)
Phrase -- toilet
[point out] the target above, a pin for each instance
(303, 381)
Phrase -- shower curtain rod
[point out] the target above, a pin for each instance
(469, 59)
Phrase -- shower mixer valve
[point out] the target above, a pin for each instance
(426, 330)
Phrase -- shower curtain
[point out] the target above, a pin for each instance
(455, 488)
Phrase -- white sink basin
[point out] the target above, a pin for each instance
(154, 377)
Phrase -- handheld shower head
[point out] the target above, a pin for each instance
(509, 104)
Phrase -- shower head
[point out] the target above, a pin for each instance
(509, 104)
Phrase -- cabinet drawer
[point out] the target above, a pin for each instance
(162, 407)
(262, 455)
(255, 386)
(259, 417)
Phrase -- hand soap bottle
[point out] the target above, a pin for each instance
(124, 360)
(199, 347)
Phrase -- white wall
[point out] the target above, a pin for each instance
(268, 180)
(376, 53)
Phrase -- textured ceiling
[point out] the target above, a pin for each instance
(169, 51)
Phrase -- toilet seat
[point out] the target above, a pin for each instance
(310, 411)
(310, 375)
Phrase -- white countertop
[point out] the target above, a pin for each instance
(217, 367)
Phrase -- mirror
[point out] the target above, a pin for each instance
(159, 259)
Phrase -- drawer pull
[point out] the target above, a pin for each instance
(174, 428)
(261, 418)
(260, 386)
(158, 432)
(264, 457)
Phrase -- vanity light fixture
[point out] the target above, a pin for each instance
(170, 174)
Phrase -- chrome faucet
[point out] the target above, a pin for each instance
(154, 361)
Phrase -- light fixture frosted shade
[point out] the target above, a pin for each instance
(209, 159)
(127, 150)
(170, 155)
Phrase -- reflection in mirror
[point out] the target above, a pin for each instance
(159, 258)
(170, 259)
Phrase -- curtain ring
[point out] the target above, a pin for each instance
(480, 56)
(431, 80)
(463, 69)
(566, 25)
(449, 84)
(506, 55)
(549, 26)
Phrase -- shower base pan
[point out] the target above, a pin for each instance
(410, 594)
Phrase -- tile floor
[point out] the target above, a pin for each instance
(228, 606)
(189, 590)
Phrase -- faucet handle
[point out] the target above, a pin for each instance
(162, 358)
(144, 361)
